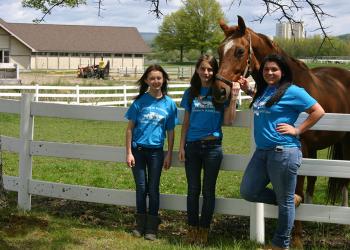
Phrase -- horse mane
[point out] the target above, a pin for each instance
(279, 50)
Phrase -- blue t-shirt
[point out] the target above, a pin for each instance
(152, 118)
(205, 120)
(294, 101)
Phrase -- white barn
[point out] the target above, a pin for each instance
(50, 46)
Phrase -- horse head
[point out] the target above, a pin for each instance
(236, 58)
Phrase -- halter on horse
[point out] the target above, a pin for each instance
(241, 52)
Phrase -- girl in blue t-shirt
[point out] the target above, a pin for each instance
(200, 145)
(151, 116)
(276, 106)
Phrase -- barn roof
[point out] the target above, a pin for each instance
(77, 38)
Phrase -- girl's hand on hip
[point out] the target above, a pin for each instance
(286, 129)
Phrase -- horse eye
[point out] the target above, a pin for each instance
(239, 52)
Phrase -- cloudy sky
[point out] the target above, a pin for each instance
(135, 13)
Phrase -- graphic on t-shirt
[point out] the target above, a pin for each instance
(259, 105)
(201, 105)
(151, 117)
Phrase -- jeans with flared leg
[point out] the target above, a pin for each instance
(278, 166)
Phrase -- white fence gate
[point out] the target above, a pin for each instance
(27, 147)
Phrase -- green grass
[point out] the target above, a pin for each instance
(62, 224)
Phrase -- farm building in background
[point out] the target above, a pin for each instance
(51, 46)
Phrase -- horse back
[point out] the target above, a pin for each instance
(333, 89)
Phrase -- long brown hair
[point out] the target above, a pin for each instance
(195, 82)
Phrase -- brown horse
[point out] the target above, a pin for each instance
(241, 52)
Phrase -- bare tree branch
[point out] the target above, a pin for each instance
(287, 10)
(48, 11)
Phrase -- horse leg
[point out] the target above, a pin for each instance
(310, 189)
(297, 234)
(311, 181)
(346, 156)
(345, 196)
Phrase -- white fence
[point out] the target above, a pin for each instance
(26, 147)
(180, 72)
(91, 95)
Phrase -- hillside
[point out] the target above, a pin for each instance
(148, 37)
(344, 37)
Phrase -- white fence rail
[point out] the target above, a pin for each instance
(91, 95)
(26, 147)
(181, 72)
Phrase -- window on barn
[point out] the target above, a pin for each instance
(76, 54)
(107, 55)
(4, 56)
(118, 55)
(127, 55)
(138, 55)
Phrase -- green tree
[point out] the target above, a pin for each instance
(46, 6)
(194, 26)
(173, 34)
(311, 47)
(202, 18)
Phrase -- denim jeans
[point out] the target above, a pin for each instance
(278, 166)
(147, 172)
(207, 155)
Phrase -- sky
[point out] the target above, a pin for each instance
(135, 13)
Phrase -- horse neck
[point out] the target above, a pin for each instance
(303, 77)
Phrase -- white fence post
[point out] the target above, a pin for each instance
(77, 93)
(36, 92)
(17, 71)
(25, 159)
(125, 98)
(240, 98)
(257, 221)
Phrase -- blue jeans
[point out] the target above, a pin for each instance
(147, 172)
(278, 166)
(198, 155)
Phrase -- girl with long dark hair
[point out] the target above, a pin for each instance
(277, 104)
(152, 116)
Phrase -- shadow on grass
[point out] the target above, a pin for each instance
(64, 224)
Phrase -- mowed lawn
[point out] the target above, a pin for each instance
(62, 224)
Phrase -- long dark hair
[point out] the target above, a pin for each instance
(144, 86)
(283, 85)
(195, 82)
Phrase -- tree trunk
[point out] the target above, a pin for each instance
(181, 54)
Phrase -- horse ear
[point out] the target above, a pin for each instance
(224, 26)
(241, 25)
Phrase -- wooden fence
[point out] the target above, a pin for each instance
(26, 147)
